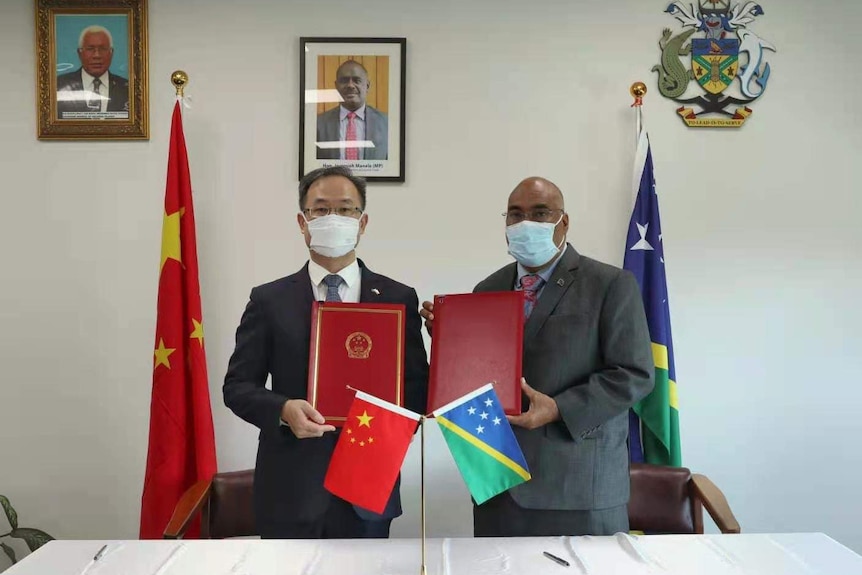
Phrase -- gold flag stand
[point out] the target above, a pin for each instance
(422, 490)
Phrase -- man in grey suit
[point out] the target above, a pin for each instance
(352, 120)
(588, 359)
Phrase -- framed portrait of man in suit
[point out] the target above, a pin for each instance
(351, 112)
(92, 69)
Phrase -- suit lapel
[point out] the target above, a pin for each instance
(507, 280)
(560, 282)
(302, 297)
(301, 283)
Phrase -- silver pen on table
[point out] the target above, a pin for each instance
(579, 557)
(170, 559)
(633, 544)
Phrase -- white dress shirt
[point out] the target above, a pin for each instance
(92, 94)
(348, 290)
(358, 121)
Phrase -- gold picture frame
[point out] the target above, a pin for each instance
(91, 70)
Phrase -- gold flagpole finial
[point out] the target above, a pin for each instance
(638, 90)
(179, 79)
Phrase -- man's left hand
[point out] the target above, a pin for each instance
(543, 409)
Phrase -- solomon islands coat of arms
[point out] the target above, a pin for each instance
(727, 62)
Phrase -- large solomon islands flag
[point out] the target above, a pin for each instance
(655, 419)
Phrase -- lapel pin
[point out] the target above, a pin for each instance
(375, 291)
(561, 282)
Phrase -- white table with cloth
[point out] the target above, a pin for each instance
(748, 554)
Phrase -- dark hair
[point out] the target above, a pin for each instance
(343, 171)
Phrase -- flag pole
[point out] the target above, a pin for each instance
(638, 90)
(422, 489)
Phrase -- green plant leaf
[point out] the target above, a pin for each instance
(33, 537)
(10, 513)
(9, 551)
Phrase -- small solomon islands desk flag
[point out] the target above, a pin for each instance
(370, 450)
(482, 443)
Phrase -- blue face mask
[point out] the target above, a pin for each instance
(532, 243)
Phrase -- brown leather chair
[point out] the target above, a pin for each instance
(225, 504)
(663, 500)
(671, 500)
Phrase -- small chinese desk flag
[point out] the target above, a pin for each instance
(370, 451)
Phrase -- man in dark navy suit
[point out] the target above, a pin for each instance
(93, 87)
(273, 339)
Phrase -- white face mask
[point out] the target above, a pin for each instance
(333, 236)
(532, 243)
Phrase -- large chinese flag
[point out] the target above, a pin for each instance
(182, 443)
(370, 451)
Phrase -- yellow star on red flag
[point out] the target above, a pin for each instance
(162, 354)
(198, 332)
(171, 243)
(365, 419)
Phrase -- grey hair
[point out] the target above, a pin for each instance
(343, 171)
(93, 30)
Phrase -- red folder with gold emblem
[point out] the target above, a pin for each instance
(477, 339)
(360, 345)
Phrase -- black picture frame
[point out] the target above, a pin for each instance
(373, 88)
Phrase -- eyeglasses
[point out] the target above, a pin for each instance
(344, 211)
(96, 49)
(541, 215)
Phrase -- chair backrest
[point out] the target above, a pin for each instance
(230, 510)
(661, 500)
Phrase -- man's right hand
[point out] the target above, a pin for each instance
(427, 312)
(304, 421)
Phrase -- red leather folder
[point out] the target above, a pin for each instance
(360, 345)
(477, 338)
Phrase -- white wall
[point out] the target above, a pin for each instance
(760, 225)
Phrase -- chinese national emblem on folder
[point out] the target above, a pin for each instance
(358, 345)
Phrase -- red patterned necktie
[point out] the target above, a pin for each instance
(530, 285)
(351, 152)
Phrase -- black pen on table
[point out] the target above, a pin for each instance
(95, 558)
(555, 559)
